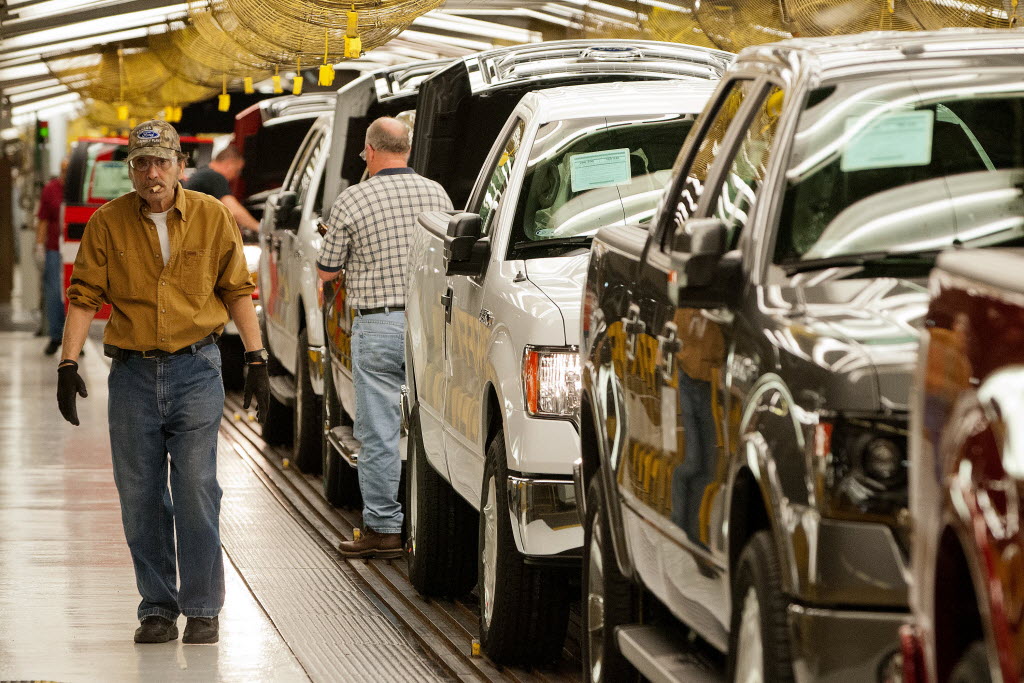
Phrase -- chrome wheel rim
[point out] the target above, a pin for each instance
(595, 603)
(489, 552)
(750, 648)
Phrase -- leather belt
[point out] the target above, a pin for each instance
(382, 309)
(124, 354)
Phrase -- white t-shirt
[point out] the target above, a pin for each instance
(161, 231)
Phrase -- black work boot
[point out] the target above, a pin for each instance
(199, 630)
(373, 544)
(156, 629)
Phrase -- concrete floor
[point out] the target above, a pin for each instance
(67, 589)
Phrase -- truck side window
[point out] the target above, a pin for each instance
(740, 186)
(688, 194)
(309, 170)
(500, 177)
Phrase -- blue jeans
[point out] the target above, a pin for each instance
(378, 372)
(53, 287)
(164, 412)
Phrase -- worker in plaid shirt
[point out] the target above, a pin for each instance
(370, 226)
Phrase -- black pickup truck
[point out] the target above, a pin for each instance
(746, 359)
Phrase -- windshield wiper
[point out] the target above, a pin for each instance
(576, 241)
(866, 258)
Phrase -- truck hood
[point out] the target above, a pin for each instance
(865, 330)
(562, 279)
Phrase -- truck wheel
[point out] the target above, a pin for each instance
(609, 598)
(341, 482)
(232, 355)
(759, 649)
(277, 431)
(308, 416)
(440, 525)
(524, 610)
(973, 666)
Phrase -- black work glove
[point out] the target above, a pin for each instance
(257, 384)
(69, 383)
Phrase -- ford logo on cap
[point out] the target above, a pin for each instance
(148, 135)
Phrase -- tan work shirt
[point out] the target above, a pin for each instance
(156, 306)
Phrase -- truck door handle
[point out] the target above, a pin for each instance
(632, 326)
(669, 344)
(446, 301)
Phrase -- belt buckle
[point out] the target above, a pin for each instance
(150, 354)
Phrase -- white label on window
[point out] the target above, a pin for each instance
(891, 140)
(599, 169)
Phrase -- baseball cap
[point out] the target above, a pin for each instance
(154, 138)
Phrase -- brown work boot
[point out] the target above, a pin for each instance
(200, 630)
(156, 629)
(373, 544)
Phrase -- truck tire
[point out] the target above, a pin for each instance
(524, 609)
(278, 429)
(232, 356)
(759, 631)
(306, 449)
(440, 533)
(973, 666)
(340, 481)
(609, 598)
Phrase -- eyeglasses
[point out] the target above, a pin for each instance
(362, 155)
(143, 163)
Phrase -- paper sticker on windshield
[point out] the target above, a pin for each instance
(891, 140)
(599, 169)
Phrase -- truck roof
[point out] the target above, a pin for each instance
(621, 98)
(882, 51)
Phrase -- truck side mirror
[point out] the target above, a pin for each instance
(286, 217)
(708, 276)
(465, 252)
(464, 224)
(697, 247)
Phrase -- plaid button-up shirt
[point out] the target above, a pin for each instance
(370, 228)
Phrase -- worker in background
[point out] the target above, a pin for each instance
(369, 230)
(215, 180)
(48, 256)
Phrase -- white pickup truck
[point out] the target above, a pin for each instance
(492, 367)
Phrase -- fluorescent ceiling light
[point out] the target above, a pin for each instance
(77, 44)
(439, 19)
(95, 27)
(524, 13)
(58, 89)
(47, 104)
(428, 38)
(32, 70)
(30, 87)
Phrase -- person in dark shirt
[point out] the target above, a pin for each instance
(48, 254)
(215, 180)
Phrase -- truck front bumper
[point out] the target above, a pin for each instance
(844, 645)
(545, 522)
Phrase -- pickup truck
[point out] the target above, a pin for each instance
(967, 474)
(463, 106)
(746, 359)
(491, 349)
(293, 324)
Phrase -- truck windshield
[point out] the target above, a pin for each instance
(585, 174)
(905, 167)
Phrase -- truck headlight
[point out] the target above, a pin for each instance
(862, 468)
(551, 381)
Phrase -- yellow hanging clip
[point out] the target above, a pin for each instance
(122, 112)
(276, 80)
(353, 43)
(224, 99)
(297, 81)
(247, 85)
(326, 76)
(892, 6)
